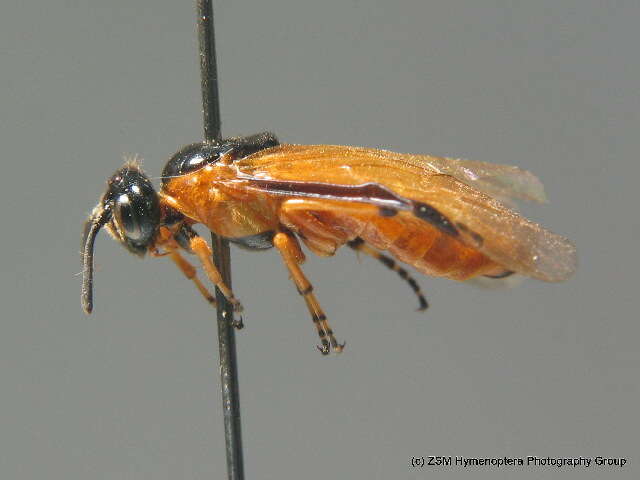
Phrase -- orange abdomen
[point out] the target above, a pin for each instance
(418, 244)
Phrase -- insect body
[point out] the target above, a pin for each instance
(444, 217)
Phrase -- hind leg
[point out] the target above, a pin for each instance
(321, 238)
(360, 246)
(292, 256)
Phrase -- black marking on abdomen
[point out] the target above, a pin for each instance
(429, 214)
(387, 212)
(260, 241)
(479, 239)
(505, 274)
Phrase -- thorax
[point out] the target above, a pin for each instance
(219, 198)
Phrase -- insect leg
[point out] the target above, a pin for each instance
(359, 246)
(203, 251)
(292, 256)
(190, 272)
(320, 237)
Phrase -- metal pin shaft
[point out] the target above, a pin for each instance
(221, 255)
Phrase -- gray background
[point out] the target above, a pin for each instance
(132, 391)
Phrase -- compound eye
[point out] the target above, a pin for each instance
(131, 220)
(135, 208)
(137, 215)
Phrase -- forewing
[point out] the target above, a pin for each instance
(316, 162)
(500, 233)
(455, 188)
(503, 182)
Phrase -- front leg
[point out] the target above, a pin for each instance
(203, 251)
(292, 256)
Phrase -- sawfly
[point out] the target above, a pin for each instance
(444, 217)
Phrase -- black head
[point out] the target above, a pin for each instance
(130, 211)
(196, 155)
